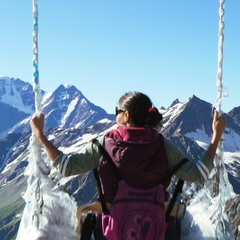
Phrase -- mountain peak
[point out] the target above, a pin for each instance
(68, 107)
(66, 86)
(176, 101)
(195, 101)
(235, 114)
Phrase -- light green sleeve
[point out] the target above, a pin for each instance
(87, 158)
(191, 172)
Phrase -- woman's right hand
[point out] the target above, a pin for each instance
(37, 124)
(218, 125)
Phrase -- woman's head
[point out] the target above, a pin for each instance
(135, 108)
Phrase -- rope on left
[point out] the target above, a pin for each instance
(50, 212)
(36, 85)
(35, 146)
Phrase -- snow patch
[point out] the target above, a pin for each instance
(200, 137)
(70, 109)
(231, 139)
(67, 85)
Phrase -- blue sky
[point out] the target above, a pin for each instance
(164, 48)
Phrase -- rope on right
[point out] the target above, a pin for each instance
(219, 83)
(222, 189)
(220, 56)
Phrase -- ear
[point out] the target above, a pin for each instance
(127, 116)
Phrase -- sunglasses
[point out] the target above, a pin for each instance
(117, 111)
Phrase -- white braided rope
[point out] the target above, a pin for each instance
(36, 85)
(220, 57)
(50, 213)
(221, 187)
(219, 83)
(35, 146)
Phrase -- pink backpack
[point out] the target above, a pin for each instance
(135, 214)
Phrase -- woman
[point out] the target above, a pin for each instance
(141, 154)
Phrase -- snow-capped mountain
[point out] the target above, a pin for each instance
(16, 102)
(66, 107)
(190, 124)
(71, 120)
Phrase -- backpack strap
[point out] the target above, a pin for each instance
(101, 195)
(178, 166)
(108, 158)
(96, 175)
(178, 188)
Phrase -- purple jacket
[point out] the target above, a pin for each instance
(140, 156)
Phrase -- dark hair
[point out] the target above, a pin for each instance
(141, 110)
